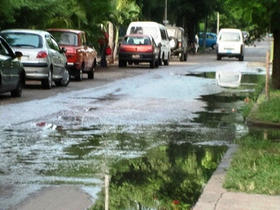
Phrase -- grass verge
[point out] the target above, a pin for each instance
(268, 110)
(255, 167)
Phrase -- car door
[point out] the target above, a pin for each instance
(165, 43)
(85, 50)
(57, 57)
(9, 67)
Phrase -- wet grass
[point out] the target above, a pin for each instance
(255, 167)
(268, 110)
(253, 97)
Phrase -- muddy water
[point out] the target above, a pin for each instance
(154, 166)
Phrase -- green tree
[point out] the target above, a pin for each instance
(186, 14)
(124, 12)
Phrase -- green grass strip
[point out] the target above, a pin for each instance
(255, 167)
(269, 110)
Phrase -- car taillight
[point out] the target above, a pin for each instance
(122, 49)
(42, 54)
(180, 44)
(72, 57)
(150, 48)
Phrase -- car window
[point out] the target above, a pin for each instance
(55, 45)
(150, 30)
(3, 49)
(136, 41)
(65, 38)
(52, 43)
(163, 34)
(230, 36)
(153, 41)
(136, 30)
(23, 40)
(209, 36)
(83, 37)
(49, 42)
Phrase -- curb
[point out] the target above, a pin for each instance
(263, 124)
(214, 190)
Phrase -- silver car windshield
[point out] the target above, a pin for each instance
(23, 40)
(230, 36)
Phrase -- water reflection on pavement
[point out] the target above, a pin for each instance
(159, 163)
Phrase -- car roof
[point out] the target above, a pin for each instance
(175, 27)
(145, 23)
(208, 33)
(230, 29)
(39, 32)
(138, 35)
(65, 30)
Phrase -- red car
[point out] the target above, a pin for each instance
(136, 48)
(80, 57)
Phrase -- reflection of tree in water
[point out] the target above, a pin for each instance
(167, 176)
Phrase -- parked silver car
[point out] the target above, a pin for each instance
(42, 58)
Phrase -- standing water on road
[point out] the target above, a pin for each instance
(159, 137)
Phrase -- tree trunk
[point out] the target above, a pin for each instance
(116, 46)
(276, 60)
(111, 41)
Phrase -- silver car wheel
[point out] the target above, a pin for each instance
(47, 83)
(66, 78)
(50, 79)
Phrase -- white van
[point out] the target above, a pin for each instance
(158, 32)
(230, 43)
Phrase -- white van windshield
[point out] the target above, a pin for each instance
(230, 36)
(144, 30)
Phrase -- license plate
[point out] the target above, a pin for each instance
(25, 57)
(136, 56)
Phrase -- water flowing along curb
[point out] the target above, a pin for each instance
(213, 191)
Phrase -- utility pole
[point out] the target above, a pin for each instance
(165, 21)
(218, 22)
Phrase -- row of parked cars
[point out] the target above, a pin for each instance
(57, 55)
(52, 56)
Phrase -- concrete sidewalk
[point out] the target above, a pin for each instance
(57, 198)
(215, 197)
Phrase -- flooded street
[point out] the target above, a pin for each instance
(159, 135)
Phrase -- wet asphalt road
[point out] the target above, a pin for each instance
(74, 135)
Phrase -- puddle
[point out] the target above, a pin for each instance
(151, 166)
(209, 75)
(167, 176)
(228, 79)
(150, 160)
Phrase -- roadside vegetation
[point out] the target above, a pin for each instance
(255, 167)
(252, 99)
(268, 110)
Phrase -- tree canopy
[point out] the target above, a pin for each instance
(256, 16)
